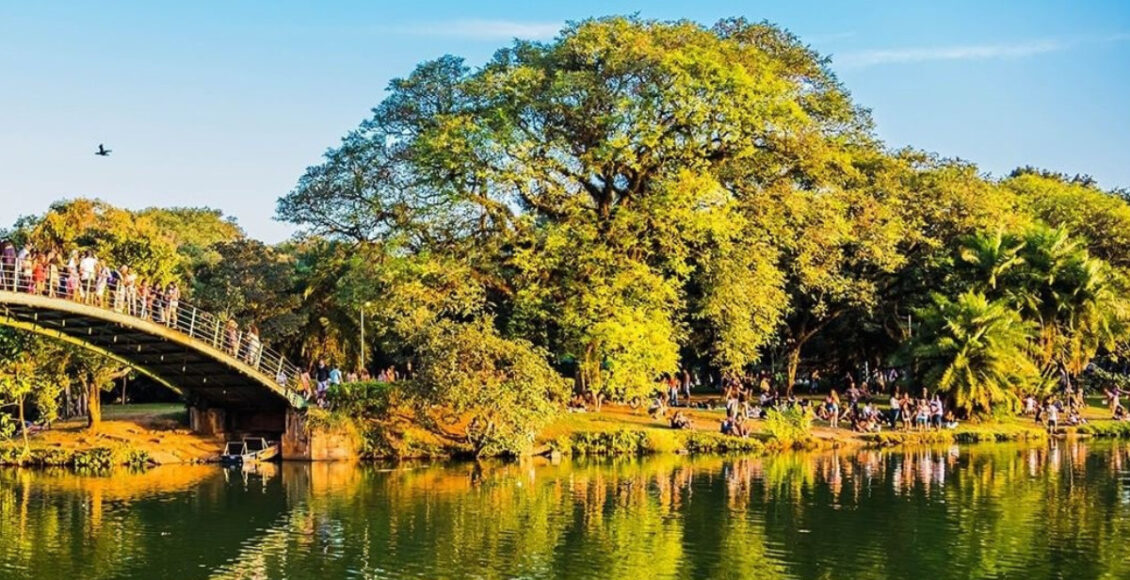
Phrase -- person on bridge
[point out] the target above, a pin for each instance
(7, 266)
(87, 270)
(172, 298)
(254, 346)
(39, 275)
(53, 279)
(231, 334)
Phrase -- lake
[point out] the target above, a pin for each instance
(1056, 510)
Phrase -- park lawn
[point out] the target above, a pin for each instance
(159, 429)
(614, 417)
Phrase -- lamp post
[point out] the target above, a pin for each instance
(363, 307)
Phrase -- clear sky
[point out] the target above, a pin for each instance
(225, 103)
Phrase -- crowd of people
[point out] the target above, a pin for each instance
(316, 384)
(83, 277)
(750, 397)
(1069, 406)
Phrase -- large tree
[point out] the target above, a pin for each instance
(608, 191)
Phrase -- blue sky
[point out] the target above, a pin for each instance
(225, 103)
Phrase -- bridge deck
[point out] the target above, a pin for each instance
(187, 355)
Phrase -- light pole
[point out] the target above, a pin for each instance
(363, 307)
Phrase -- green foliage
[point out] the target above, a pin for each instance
(974, 350)
(95, 459)
(9, 426)
(705, 442)
(503, 387)
(361, 399)
(618, 442)
(254, 284)
(1114, 429)
(791, 426)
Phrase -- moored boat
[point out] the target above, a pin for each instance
(249, 450)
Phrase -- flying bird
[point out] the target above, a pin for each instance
(102, 151)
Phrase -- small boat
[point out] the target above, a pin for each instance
(249, 450)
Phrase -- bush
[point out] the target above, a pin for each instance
(620, 442)
(503, 386)
(789, 427)
(96, 458)
(1120, 429)
(51, 457)
(8, 426)
(13, 455)
(138, 458)
(361, 399)
(709, 442)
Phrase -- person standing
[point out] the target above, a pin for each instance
(1053, 416)
(7, 266)
(322, 377)
(172, 298)
(87, 269)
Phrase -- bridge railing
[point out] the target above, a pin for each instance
(220, 333)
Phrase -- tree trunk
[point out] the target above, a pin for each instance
(93, 406)
(23, 423)
(793, 364)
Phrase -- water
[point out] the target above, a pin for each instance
(1001, 511)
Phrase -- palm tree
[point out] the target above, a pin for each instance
(992, 256)
(1071, 297)
(974, 350)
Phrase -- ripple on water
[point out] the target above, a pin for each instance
(1002, 511)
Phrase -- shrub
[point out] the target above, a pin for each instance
(96, 458)
(503, 386)
(13, 455)
(620, 442)
(789, 427)
(51, 457)
(8, 426)
(361, 399)
(138, 458)
(1119, 429)
(709, 442)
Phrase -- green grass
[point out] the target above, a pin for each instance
(148, 411)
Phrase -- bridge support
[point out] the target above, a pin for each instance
(209, 422)
(302, 442)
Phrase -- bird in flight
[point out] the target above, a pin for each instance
(102, 151)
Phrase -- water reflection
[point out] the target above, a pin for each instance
(995, 511)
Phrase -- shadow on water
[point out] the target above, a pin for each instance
(989, 511)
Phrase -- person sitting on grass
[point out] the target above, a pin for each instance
(680, 421)
(741, 427)
(658, 408)
(1120, 413)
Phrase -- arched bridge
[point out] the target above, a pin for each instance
(186, 349)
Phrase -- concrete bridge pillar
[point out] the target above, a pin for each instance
(210, 422)
(302, 442)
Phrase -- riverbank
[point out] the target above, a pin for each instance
(158, 434)
(618, 429)
(150, 434)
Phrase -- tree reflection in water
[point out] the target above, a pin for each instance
(997, 510)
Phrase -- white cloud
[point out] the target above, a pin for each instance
(866, 58)
(483, 29)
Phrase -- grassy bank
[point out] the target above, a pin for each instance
(128, 435)
(93, 458)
